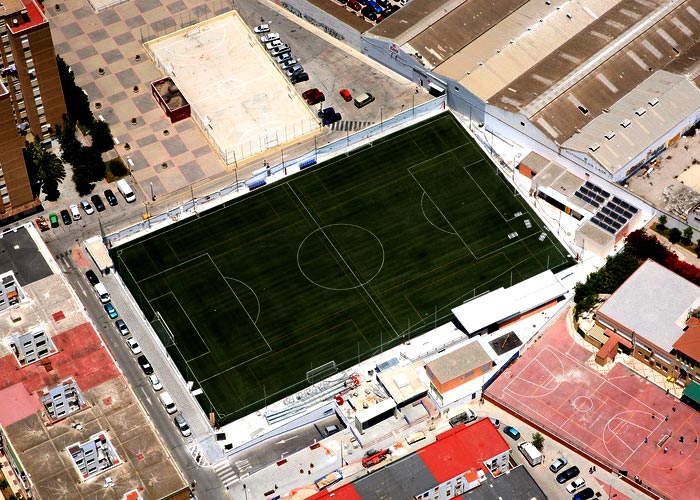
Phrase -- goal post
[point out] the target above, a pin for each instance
(163, 331)
(321, 372)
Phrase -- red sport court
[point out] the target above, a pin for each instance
(608, 417)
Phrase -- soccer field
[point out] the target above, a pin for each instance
(326, 265)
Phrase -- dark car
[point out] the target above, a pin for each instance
(298, 78)
(310, 93)
(511, 432)
(356, 6)
(121, 326)
(97, 201)
(67, 219)
(145, 365)
(331, 118)
(92, 277)
(111, 199)
(584, 494)
(568, 474)
(369, 13)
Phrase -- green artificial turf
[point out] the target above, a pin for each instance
(376, 246)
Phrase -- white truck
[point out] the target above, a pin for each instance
(531, 454)
(102, 293)
(98, 251)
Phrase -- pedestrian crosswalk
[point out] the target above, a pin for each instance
(225, 472)
(350, 125)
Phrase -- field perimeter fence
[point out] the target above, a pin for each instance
(200, 202)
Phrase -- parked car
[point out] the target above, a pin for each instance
(346, 95)
(284, 57)
(121, 326)
(181, 424)
(111, 311)
(576, 484)
(511, 432)
(155, 383)
(329, 116)
(584, 494)
(369, 13)
(558, 464)
(97, 201)
(92, 277)
(285, 65)
(67, 219)
(355, 5)
(134, 346)
(263, 28)
(273, 44)
(270, 37)
(145, 365)
(568, 474)
(298, 78)
(280, 49)
(111, 199)
(294, 70)
(53, 219)
(313, 96)
(75, 212)
(87, 208)
(496, 423)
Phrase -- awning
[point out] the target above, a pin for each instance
(597, 333)
(435, 90)
(692, 392)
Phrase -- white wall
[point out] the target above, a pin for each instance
(321, 19)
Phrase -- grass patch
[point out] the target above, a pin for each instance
(325, 266)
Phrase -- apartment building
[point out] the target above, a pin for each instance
(31, 97)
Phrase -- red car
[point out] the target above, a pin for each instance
(345, 94)
(354, 5)
(314, 97)
(309, 93)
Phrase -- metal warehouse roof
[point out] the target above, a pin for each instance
(513, 48)
(665, 39)
(633, 124)
(505, 303)
(653, 302)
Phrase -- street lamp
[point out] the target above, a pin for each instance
(153, 197)
(245, 490)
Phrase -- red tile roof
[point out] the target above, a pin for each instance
(462, 448)
(689, 342)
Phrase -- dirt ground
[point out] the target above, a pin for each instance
(674, 184)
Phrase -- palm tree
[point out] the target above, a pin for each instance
(48, 167)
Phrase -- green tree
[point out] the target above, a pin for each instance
(674, 235)
(78, 104)
(687, 235)
(697, 248)
(101, 136)
(48, 167)
(538, 441)
(662, 222)
(91, 159)
(4, 484)
(67, 138)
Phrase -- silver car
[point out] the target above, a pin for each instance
(273, 44)
(296, 69)
(270, 37)
(288, 63)
(280, 49)
(284, 57)
(182, 424)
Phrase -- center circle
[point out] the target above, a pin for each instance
(340, 257)
(583, 404)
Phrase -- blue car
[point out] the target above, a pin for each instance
(111, 310)
(511, 432)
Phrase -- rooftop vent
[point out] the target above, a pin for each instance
(640, 111)
(594, 147)
(610, 135)
(626, 123)
(653, 102)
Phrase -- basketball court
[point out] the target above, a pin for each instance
(619, 418)
(238, 95)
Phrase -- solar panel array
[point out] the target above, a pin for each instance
(592, 194)
(614, 215)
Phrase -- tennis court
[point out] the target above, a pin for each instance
(333, 264)
(620, 418)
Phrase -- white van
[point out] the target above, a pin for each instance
(168, 403)
(531, 454)
(102, 293)
(74, 211)
(126, 191)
